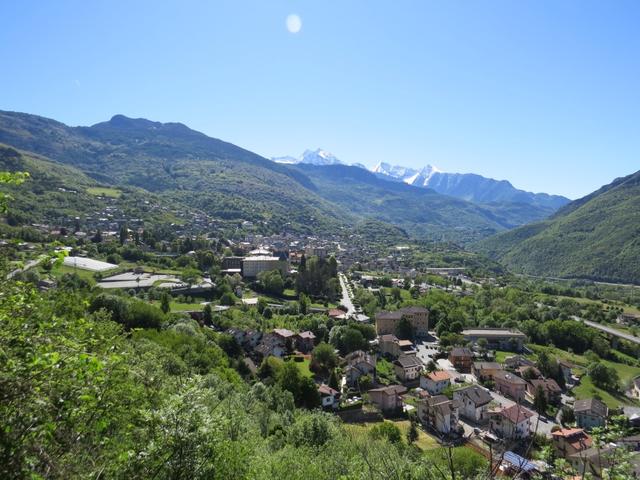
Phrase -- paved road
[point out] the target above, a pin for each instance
(609, 330)
(346, 299)
(27, 266)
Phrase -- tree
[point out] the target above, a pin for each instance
(365, 382)
(568, 416)
(190, 276)
(271, 282)
(124, 234)
(228, 299)
(347, 339)
(165, 302)
(305, 303)
(334, 381)
(207, 314)
(97, 238)
(324, 357)
(603, 376)
(386, 431)
(412, 434)
(540, 400)
(431, 366)
(10, 178)
(404, 329)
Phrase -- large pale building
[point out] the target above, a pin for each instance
(418, 317)
(252, 266)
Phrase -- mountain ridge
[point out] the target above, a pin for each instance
(596, 237)
(230, 182)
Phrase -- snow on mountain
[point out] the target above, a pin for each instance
(467, 186)
(410, 176)
(320, 157)
(286, 160)
(314, 157)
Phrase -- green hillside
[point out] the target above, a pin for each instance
(187, 167)
(181, 165)
(596, 237)
(57, 193)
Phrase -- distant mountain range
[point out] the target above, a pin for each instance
(317, 157)
(596, 237)
(466, 186)
(316, 193)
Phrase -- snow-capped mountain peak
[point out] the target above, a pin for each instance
(319, 157)
(410, 176)
(314, 157)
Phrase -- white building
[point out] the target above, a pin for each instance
(252, 266)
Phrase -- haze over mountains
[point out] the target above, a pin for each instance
(466, 186)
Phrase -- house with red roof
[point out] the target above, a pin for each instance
(569, 441)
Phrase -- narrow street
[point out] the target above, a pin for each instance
(346, 297)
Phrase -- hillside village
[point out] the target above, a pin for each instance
(482, 387)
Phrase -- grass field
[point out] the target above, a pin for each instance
(104, 192)
(587, 389)
(424, 442)
(186, 307)
(60, 270)
(502, 355)
(303, 366)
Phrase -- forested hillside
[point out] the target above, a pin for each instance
(596, 237)
(228, 182)
(57, 193)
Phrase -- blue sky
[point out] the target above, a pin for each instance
(545, 94)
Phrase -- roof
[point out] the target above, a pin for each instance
(407, 361)
(576, 437)
(478, 395)
(440, 403)
(88, 264)
(591, 405)
(493, 332)
(327, 390)
(487, 366)
(516, 413)
(601, 453)
(509, 378)
(283, 332)
(461, 352)
(359, 356)
(390, 390)
(261, 258)
(547, 384)
(438, 376)
(397, 314)
(307, 334)
(389, 337)
(437, 399)
(518, 462)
